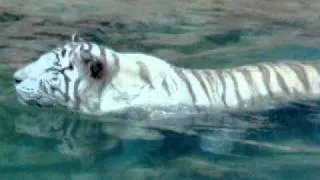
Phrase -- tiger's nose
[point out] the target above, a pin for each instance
(17, 80)
(18, 77)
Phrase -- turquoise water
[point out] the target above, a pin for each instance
(56, 144)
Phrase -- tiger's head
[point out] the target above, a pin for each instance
(93, 79)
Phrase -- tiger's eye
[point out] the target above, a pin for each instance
(63, 52)
(71, 67)
(86, 58)
(86, 61)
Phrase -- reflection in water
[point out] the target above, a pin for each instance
(220, 134)
(78, 137)
(82, 137)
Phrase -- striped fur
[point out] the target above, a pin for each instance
(68, 76)
(247, 86)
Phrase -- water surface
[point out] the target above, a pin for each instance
(197, 34)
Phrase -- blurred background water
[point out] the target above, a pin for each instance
(54, 144)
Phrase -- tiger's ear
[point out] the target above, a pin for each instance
(76, 38)
(92, 66)
(97, 70)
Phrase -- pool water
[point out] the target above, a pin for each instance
(57, 144)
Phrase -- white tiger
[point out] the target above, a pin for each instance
(94, 79)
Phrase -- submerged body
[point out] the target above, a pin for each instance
(93, 79)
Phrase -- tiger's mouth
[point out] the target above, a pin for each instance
(33, 103)
(37, 104)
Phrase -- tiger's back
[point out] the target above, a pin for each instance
(252, 86)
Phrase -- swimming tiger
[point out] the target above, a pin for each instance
(94, 79)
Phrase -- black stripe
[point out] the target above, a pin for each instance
(81, 47)
(66, 82)
(174, 81)
(116, 67)
(72, 50)
(224, 86)
(43, 87)
(180, 73)
(166, 86)
(282, 83)
(103, 54)
(299, 71)
(210, 80)
(90, 46)
(54, 90)
(249, 80)
(266, 78)
(67, 85)
(144, 73)
(57, 62)
(202, 83)
(76, 94)
(63, 52)
(237, 88)
(248, 77)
